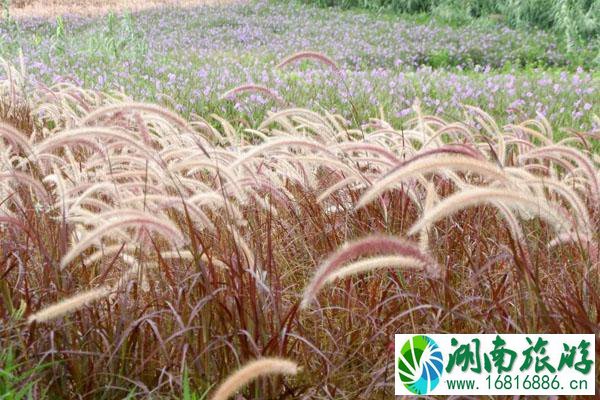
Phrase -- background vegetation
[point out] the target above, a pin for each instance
(186, 59)
(574, 19)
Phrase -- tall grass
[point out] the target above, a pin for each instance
(150, 255)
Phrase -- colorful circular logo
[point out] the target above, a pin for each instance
(420, 364)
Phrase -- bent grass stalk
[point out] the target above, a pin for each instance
(434, 164)
(334, 266)
(252, 88)
(252, 370)
(129, 219)
(374, 263)
(308, 55)
(479, 196)
(69, 305)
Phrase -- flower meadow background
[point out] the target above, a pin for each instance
(187, 58)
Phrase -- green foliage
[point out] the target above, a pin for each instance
(402, 6)
(14, 383)
(8, 21)
(120, 39)
(440, 59)
(575, 20)
(188, 393)
(59, 36)
(17, 381)
(6, 9)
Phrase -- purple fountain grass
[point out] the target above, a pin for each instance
(27, 181)
(308, 55)
(14, 136)
(571, 154)
(127, 218)
(482, 195)
(369, 148)
(432, 164)
(276, 143)
(222, 246)
(580, 211)
(252, 370)
(252, 88)
(69, 305)
(89, 136)
(376, 244)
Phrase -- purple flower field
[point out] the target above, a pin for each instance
(187, 59)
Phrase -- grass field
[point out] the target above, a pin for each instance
(185, 190)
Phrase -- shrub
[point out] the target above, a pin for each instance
(573, 19)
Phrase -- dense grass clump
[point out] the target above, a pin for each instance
(148, 255)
